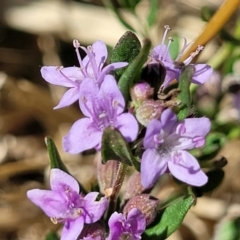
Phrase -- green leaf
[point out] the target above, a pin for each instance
(153, 11)
(175, 46)
(129, 4)
(133, 71)
(127, 48)
(111, 5)
(55, 159)
(170, 219)
(185, 96)
(52, 236)
(115, 147)
(228, 229)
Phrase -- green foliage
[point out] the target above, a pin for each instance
(52, 236)
(170, 219)
(228, 230)
(115, 147)
(152, 15)
(133, 71)
(185, 95)
(126, 49)
(55, 159)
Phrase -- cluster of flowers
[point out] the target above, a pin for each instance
(165, 143)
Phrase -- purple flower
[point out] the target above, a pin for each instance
(126, 227)
(103, 108)
(64, 204)
(173, 69)
(91, 67)
(166, 141)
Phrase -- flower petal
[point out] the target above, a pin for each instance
(69, 97)
(153, 127)
(88, 92)
(94, 209)
(72, 229)
(115, 225)
(110, 89)
(82, 136)
(168, 120)
(101, 53)
(128, 126)
(59, 177)
(52, 203)
(187, 169)
(161, 53)
(152, 167)
(137, 221)
(202, 73)
(195, 127)
(65, 77)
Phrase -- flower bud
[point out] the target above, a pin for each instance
(141, 91)
(146, 204)
(149, 110)
(107, 174)
(134, 186)
(93, 231)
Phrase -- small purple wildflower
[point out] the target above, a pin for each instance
(126, 227)
(166, 142)
(173, 69)
(64, 204)
(91, 67)
(103, 108)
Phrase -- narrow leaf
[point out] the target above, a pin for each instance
(153, 11)
(114, 147)
(170, 219)
(185, 96)
(133, 71)
(55, 159)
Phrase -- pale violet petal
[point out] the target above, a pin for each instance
(69, 97)
(153, 127)
(128, 126)
(82, 136)
(59, 177)
(110, 89)
(94, 209)
(186, 168)
(52, 203)
(65, 77)
(202, 73)
(137, 221)
(152, 167)
(168, 120)
(72, 229)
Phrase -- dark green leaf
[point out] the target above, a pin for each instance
(52, 236)
(175, 46)
(185, 96)
(55, 159)
(206, 13)
(133, 71)
(170, 219)
(114, 147)
(127, 48)
(129, 4)
(153, 11)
